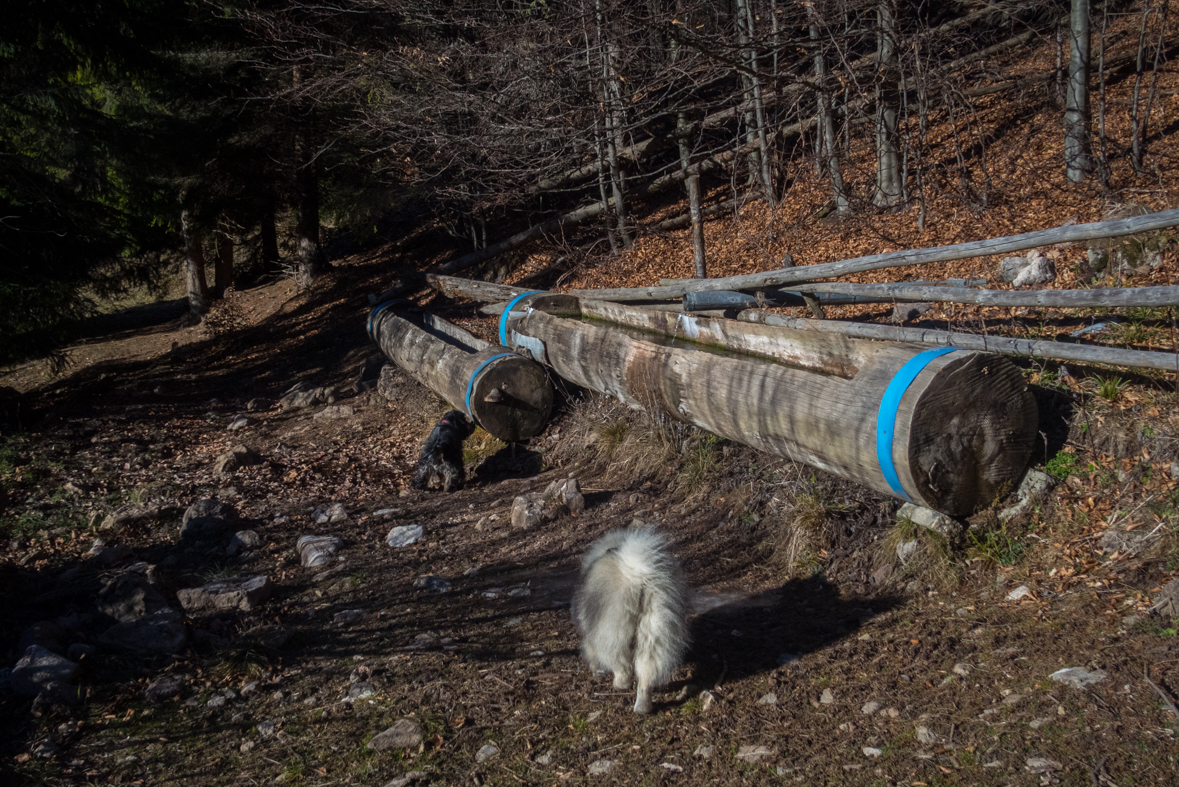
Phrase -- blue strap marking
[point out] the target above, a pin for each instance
(503, 318)
(886, 417)
(374, 314)
(475, 375)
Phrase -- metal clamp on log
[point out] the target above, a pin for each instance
(507, 394)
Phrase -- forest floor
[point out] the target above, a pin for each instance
(819, 656)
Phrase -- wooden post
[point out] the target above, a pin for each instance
(507, 394)
(956, 438)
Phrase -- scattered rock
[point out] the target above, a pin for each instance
(870, 708)
(963, 669)
(1078, 677)
(904, 312)
(755, 753)
(486, 752)
(407, 779)
(265, 729)
(947, 526)
(166, 688)
(161, 632)
(1022, 591)
(564, 494)
(828, 697)
(704, 752)
(243, 539)
(237, 457)
(707, 700)
(317, 550)
(404, 535)
(235, 593)
(1032, 488)
(1126, 542)
(405, 734)
(527, 512)
(601, 767)
(206, 519)
(130, 514)
(432, 583)
(334, 411)
(1041, 765)
(336, 512)
(546, 758)
(239, 422)
(360, 691)
(1039, 270)
(906, 550)
(925, 735)
(301, 395)
(132, 594)
(257, 404)
(768, 699)
(1166, 604)
(872, 751)
(346, 616)
(39, 669)
(672, 767)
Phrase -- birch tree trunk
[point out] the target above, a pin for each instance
(1076, 105)
(888, 172)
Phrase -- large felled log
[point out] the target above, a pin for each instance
(1057, 299)
(952, 432)
(507, 394)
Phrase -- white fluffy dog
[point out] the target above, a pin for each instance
(631, 610)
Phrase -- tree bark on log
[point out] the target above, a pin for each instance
(1055, 299)
(894, 259)
(1059, 351)
(961, 433)
(440, 360)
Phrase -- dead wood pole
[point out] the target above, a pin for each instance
(1059, 299)
(895, 259)
(949, 430)
(507, 394)
(1059, 351)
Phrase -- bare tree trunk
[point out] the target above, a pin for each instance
(1140, 116)
(1076, 108)
(1103, 172)
(223, 266)
(828, 153)
(759, 112)
(888, 173)
(194, 269)
(269, 233)
(309, 257)
(693, 185)
(612, 104)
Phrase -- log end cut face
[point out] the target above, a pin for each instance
(512, 399)
(972, 434)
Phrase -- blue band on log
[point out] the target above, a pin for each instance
(886, 417)
(475, 376)
(374, 314)
(503, 318)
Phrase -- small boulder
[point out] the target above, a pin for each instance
(242, 540)
(239, 422)
(39, 669)
(1039, 270)
(404, 535)
(161, 632)
(237, 593)
(130, 514)
(1078, 677)
(165, 688)
(906, 312)
(237, 457)
(334, 411)
(301, 395)
(206, 519)
(405, 734)
(317, 550)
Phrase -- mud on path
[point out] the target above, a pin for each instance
(831, 671)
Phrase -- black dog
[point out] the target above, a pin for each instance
(441, 462)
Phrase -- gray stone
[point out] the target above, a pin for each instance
(1041, 765)
(546, 758)
(265, 729)
(527, 512)
(334, 411)
(404, 535)
(254, 405)
(926, 735)
(1039, 270)
(486, 752)
(754, 753)
(432, 583)
(827, 697)
(161, 632)
(360, 691)
(38, 668)
(870, 708)
(1010, 267)
(235, 593)
(165, 688)
(872, 751)
(130, 514)
(601, 767)
(407, 779)
(237, 457)
(939, 523)
(1033, 487)
(301, 395)
(405, 734)
(131, 595)
(109, 556)
(317, 550)
(768, 699)
(707, 700)
(963, 669)
(1166, 604)
(1078, 677)
(1126, 542)
(243, 539)
(337, 513)
(907, 550)
(904, 312)
(346, 616)
(239, 422)
(704, 752)
(1020, 592)
(206, 518)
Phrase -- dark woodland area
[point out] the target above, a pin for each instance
(253, 256)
